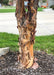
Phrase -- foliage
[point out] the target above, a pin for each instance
(44, 0)
(4, 2)
(45, 43)
(52, 7)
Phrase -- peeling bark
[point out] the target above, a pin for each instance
(26, 11)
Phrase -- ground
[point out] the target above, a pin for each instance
(9, 64)
(45, 23)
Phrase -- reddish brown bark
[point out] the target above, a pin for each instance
(26, 11)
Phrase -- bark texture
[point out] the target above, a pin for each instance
(26, 11)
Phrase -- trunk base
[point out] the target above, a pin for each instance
(32, 63)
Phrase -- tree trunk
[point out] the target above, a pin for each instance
(26, 11)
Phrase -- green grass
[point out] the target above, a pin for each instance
(7, 10)
(41, 9)
(45, 43)
(13, 10)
